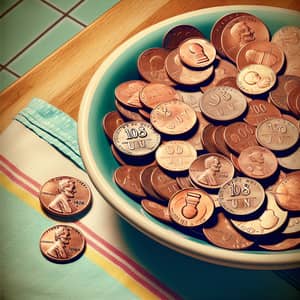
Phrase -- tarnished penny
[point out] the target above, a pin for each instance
(288, 38)
(260, 52)
(293, 226)
(183, 75)
(184, 182)
(197, 53)
(164, 185)
(128, 179)
(156, 93)
(156, 210)
(223, 103)
(127, 113)
(65, 196)
(269, 221)
(128, 93)
(278, 95)
(277, 134)
(241, 196)
(211, 170)
(290, 161)
(178, 34)
(136, 138)
(192, 99)
(218, 139)
(62, 243)
(151, 65)
(293, 101)
(175, 156)
(239, 136)
(283, 245)
(111, 121)
(173, 117)
(191, 207)
(256, 79)
(224, 235)
(257, 162)
(287, 192)
(260, 110)
(240, 31)
(207, 138)
(145, 179)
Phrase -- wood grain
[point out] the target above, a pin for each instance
(63, 76)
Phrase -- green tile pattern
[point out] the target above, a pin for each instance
(23, 24)
(58, 35)
(6, 4)
(89, 10)
(64, 5)
(6, 79)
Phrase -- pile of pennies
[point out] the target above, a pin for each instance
(64, 198)
(208, 136)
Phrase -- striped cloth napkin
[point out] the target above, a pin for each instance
(119, 262)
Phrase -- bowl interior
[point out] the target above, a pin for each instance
(99, 99)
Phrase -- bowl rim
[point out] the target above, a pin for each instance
(170, 238)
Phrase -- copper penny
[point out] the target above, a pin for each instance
(269, 221)
(127, 113)
(256, 79)
(293, 225)
(128, 93)
(235, 162)
(191, 207)
(239, 136)
(288, 38)
(217, 29)
(223, 103)
(241, 196)
(151, 65)
(128, 179)
(145, 179)
(257, 162)
(260, 110)
(207, 138)
(277, 134)
(290, 161)
(183, 75)
(211, 170)
(156, 210)
(156, 93)
(285, 84)
(218, 138)
(116, 154)
(293, 101)
(192, 99)
(175, 156)
(261, 52)
(144, 113)
(173, 117)
(197, 53)
(65, 196)
(184, 182)
(111, 121)
(240, 31)
(62, 243)
(224, 235)
(136, 138)
(164, 185)
(287, 192)
(283, 245)
(178, 34)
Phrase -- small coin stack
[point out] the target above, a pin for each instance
(63, 197)
(208, 136)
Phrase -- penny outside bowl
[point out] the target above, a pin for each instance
(100, 164)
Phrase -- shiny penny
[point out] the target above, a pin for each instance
(62, 243)
(207, 138)
(128, 93)
(127, 113)
(191, 207)
(256, 79)
(136, 138)
(239, 136)
(173, 117)
(151, 65)
(111, 121)
(211, 170)
(219, 142)
(241, 196)
(175, 156)
(269, 221)
(156, 210)
(290, 161)
(283, 245)
(293, 101)
(224, 235)
(65, 196)
(257, 162)
(128, 179)
(223, 103)
(277, 134)
(145, 179)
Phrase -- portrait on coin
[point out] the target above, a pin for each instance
(254, 78)
(212, 167)
(62, 238)
(242, 33)
(256, 163)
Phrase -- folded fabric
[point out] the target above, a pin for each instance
(119, 262)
